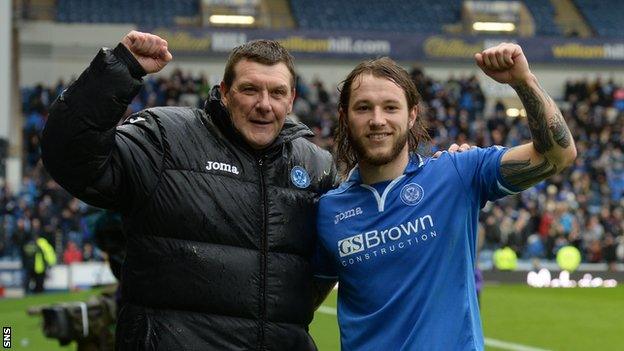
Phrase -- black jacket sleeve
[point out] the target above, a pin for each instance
(83, 149)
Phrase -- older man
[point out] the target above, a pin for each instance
(218, 204)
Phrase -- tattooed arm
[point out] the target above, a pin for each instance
(552, 149)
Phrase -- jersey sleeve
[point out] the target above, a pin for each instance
(479, 171)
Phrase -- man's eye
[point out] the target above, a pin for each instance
(391, 108)
(362, 108)
(279, 92)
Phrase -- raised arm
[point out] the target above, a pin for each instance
(552, 148)
(81, 147)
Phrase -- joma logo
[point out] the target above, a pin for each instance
(220, 166)
(347, 214)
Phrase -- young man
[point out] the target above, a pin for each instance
(218, 205)
(400, 232)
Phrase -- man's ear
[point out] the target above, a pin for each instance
(412, 116)
(223, 89)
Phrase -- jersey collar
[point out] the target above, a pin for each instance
(414, 165)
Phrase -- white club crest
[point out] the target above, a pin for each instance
(412, 194)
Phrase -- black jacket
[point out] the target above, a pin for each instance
(219, 236)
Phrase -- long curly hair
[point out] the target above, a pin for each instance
(384, 67)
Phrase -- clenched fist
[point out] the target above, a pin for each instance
(150, 50)
(505, 63)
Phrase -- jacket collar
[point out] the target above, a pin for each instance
(221, 118)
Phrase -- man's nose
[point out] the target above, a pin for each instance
(377, 119)
(264, 103)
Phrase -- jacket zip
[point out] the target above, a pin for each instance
(263, 256)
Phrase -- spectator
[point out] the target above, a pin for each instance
(72, 254)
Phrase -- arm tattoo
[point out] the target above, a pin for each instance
(559, 130)
(545, 130)
(522, 175)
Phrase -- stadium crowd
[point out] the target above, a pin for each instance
(581, 207)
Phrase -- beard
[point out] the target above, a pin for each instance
(363, 155)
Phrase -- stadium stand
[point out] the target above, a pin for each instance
(391, 15)
(368, 15)
(401, 16)
(543, 13)
(142, 12)
(582, 208)
(604, 16)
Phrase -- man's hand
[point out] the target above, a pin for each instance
(150, 50)
(454, 148)
(505, 63)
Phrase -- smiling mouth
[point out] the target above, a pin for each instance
(262, 123)
(378, 136)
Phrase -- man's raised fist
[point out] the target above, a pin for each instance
(150, 50)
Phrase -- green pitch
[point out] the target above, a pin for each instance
(26, 330)
(517, 316)
(548, 319)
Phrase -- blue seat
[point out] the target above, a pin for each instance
(147, 12)
(375, 15)
(603, 16)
